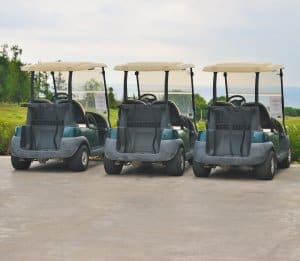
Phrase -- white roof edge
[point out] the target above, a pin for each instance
(62, 66)
(153, 66)
(243, 67)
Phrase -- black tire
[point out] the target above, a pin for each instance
(111, 167)
(80, 160)
(200, 170)
(285, 164)
(176, 166)
(190, 161)
(268, 169)
(20, 164)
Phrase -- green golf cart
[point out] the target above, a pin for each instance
(248, 128)
(156, 118)
(71, 124)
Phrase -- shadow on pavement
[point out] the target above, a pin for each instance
(148, 170)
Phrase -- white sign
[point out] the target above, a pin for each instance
(275, 107)
(100, 102)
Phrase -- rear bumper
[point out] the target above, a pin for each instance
(67, 149)
(258, 154)
(167, 151)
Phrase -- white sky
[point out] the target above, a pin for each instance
(200, 32)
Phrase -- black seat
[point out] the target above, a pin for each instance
(78, 111)
(264, 116)
(175, 115)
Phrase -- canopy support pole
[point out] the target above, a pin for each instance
(282, 100)
(125, 86)
(70, 85)
(138, 84)
(215, 88)
(256, 87)
(54, 82)
(226, 85)
(106, 97)
(31, 86)
(166, 86)
(193, 97)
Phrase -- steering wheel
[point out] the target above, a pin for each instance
(148, 97)
(237, 100)
(60, 96)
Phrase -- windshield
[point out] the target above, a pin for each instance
(269, 89)
(87, 88)
(179, 88)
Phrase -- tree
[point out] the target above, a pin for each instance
(220, 98)
(14, 83)
(16, 52)
(113, 103)
(41, 86)
(89, 98)
(60, 82)
(201, 107)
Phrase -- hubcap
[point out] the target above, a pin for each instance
(84, 158)
(290, 156)
(182, 161)
(272, 166)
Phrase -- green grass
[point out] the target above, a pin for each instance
(12, 115)
(293, 126)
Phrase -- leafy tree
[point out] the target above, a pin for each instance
(290, 111)
(113, 103)
(201, 107)
(91, 85)
(60, 82)
(220, 98)
(41, 86)
(14, 84)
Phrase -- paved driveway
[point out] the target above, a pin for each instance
(49, 213)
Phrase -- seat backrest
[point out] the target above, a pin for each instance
(139, 127)
(174, 112)
(264, 116)
(229, 130)
(78, 111)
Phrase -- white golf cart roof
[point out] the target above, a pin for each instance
(153, 66)
(242, 67)
(61, 66)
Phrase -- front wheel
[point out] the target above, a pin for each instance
(267, 169)
(111, 167)
(80, 160)
(200, 170)
(175, 166)
(20, 164)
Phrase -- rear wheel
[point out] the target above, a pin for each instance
(20, 164)
(200, 170)
(175, 166)
(80, 160)
(111, 167)
(285, 164)
(268, 169)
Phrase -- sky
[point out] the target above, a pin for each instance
(201, 32)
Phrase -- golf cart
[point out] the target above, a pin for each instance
(155, 124)
(245, 129)
(61, 128)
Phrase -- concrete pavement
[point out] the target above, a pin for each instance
(50, 213)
